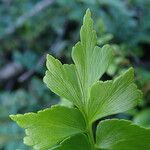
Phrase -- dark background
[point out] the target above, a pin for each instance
(31, 29)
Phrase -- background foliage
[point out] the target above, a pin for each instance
(30, 29)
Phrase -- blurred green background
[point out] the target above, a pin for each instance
(29, 29)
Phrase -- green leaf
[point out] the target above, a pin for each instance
(91, 61)
(111, 97)
(50, 126)
(62, 80)
(122, 135)
(77, 142)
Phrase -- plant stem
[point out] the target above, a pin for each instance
(89, 132)
(90, 136)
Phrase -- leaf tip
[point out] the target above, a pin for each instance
(87, 15)
(47, 56)
(129, 74)
(88, 12)
(131, 69)
(12, 117)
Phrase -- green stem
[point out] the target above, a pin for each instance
(90, 136)
(90, 132)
